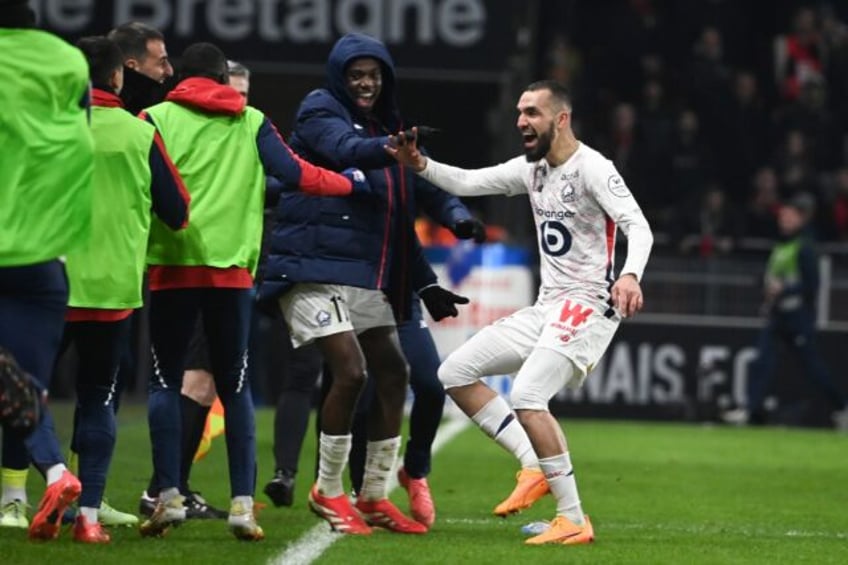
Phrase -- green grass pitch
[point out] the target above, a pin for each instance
(657, 493)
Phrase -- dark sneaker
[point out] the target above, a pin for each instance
(198, 509)
(280, 489)
(146, 505)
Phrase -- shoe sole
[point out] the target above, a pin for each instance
(151, 530)
(157, 530)
(245, 534)
(389, 528)
(577, 540)
(517, 508)
(317, 509)
(22, 524)
(48, 521)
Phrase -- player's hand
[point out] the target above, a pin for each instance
(440, 302)
(772, 289)
(358, 181)
(471, 228)
(404, 148)
(627, 295)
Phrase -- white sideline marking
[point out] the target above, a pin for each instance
(309, 547)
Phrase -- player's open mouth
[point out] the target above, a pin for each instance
(529, 138)
(365, 99)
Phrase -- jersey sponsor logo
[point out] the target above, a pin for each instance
(554, 237)
(616, 185)
(565, 338)
(574, 312)
(322, 318)
(554, 214)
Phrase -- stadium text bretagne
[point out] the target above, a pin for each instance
(451, 23)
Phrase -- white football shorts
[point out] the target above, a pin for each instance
(315, 310)
(575, 330)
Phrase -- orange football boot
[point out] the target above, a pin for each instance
(531, 486)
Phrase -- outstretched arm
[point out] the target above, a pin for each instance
(281, 162)
(505, 178)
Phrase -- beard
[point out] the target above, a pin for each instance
(543, 145)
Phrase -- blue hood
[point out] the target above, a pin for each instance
(353, 46)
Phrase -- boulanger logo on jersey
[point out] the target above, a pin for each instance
(553, 214)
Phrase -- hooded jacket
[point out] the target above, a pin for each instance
(367, 241)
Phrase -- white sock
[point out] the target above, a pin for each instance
(14, 485)
(380, 457)
(245, 501)
(560, 476)
(331, 463)
(167, 494)
(90, 514)
(11, 494)
(499, 423)
(54, 473)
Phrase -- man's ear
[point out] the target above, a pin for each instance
(131, 63)
(116, 80)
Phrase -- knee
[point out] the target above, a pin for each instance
(390, 372)
(199, 385)
(525, 400)
(425, 383)
(453, 373)
(429, 390)
(527, 416)
(349, 374)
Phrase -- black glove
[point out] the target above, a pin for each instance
(470, 229)
(441, 303)
(20, 397)
(423, 133)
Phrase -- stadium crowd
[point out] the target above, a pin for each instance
(715, 112)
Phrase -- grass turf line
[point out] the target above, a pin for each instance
(657, 493)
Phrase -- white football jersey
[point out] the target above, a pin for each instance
(576, 206)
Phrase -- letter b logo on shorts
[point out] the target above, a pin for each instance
(572, 311)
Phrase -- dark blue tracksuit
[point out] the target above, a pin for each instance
(32, 314)
(372, 243)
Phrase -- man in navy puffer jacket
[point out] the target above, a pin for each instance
(344, 273)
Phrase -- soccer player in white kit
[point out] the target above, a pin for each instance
(578, 200)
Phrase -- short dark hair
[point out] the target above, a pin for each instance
(558, 91)
(132, 38)
(104, 58)
(204, 60)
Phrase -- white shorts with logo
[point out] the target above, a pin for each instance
(315, 310)
(574, 330)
